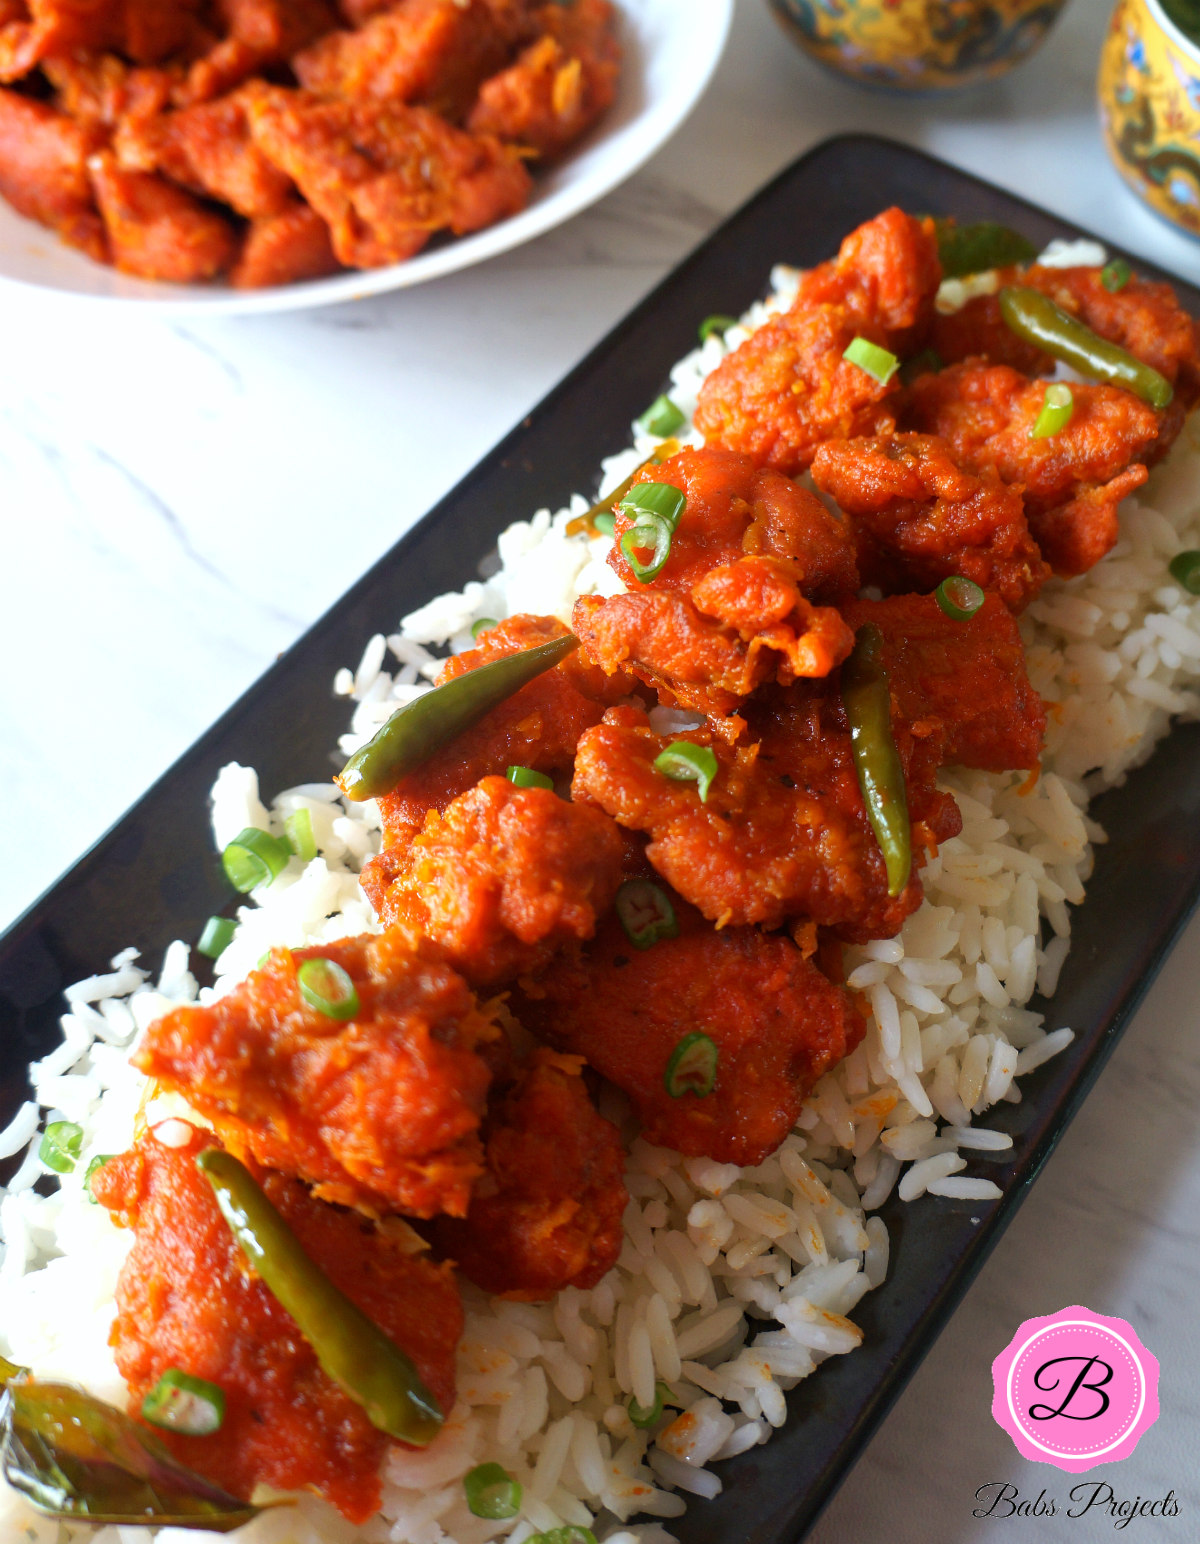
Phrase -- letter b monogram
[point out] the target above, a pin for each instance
(1085, 1409)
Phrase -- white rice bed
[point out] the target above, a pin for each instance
(733, 1284)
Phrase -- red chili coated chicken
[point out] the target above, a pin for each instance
(775, 1024)
(187, 1299)
(919, 517)
(547, 1213)
(789, 386)
(537, 727)
(783, 834)
(502, 879)
(380, 1111)
(1072, 481)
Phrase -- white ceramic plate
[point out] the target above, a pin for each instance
(671, 48)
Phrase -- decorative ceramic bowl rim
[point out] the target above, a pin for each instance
(1178, 37)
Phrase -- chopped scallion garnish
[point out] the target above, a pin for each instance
(1116, 275)
(661, 418)
(1185, 566)
(216, 937)
(684, 762)
(959, 597)
(179, 1402)
(97, 1162)
(325, 986)
(641, 1416)
(1058, 408)
(652, 535)
(644, 910)
(604, 522)
(662, 501)
(492, 1492)
(718, 324)
(300, 835)
(571, 1533)
(482, 626)
(526, 777)
(876, 361)
(60, 1147)
(692, 1068)
(254, 858)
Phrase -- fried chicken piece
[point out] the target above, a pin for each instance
(187, 1299)
(503, 878)
(776, 1025)
(156, 230)
(1072, 480)
(102, 89)
(977, 330)
(744, 623)
(259, 34)
(887, 272)
(962, 686)
(285, 248)
(788, 388)
(380, 1112)
(44, 170)
(735, 509)
(536, 727)
(144, 30)
(783, 834)
(208, 148)
(559, 86)
(920, 518)
(430, 52)
(547, 1214)
(385, 177)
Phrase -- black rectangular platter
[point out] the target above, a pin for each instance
(155, 877)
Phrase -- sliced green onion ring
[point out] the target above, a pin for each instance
(216, 937)
(1058, 408)
(661, 418)
(605, 522)
(959, 597)
(719, 324)
(1185, 567)
(492, 1492)
(658, 501)
(876, 361)
(644, 910)
(61, 1145)
(643, 1417)
(650, 535)
(526, 777)
(254, 858)
(1116, 275)
(570, 1534)
(301, 840)
(325, 986)
(97, 1162)
(482, 626)
(179, 1402)
(692, 1067)
(684, 762)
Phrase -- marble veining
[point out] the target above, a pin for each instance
(177, 502)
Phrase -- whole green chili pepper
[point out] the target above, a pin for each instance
(421, 727)
(74, 1457)
(352, 1349)
(1035, 317)
(868, 705)
(965, 249)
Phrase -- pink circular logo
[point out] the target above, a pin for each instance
(1075, 1389)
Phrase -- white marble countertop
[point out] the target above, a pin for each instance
(181, 500)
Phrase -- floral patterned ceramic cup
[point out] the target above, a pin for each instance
(1149, 91)
(919, 45)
